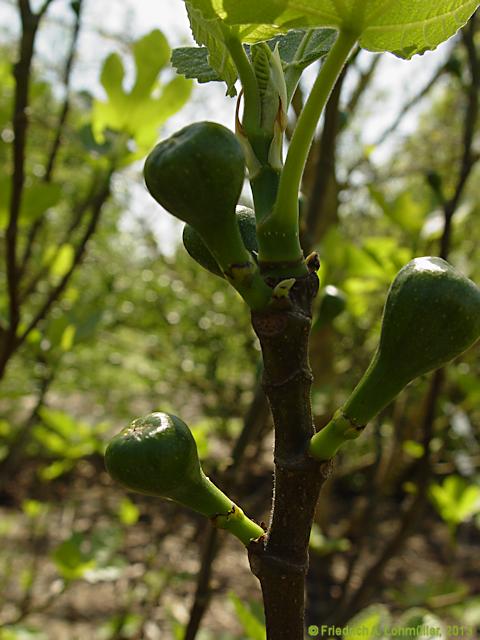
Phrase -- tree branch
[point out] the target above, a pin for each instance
(283, 556)
(53, 153)
(21, 73)
(97, 207)
(471, 117)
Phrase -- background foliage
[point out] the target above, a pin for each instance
(134, 329)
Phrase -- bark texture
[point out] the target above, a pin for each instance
(280, 561)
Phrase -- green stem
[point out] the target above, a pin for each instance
(325, 444)
(251, 94)
(227, 515)
(285, 214)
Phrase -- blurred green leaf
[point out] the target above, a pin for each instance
(467, 612)
(5, 429)
(456, 499)
(126, 624)
(370, 623)
(68, 337)
(418, 623)
(413, 449)
(128, 512)
(140, 112)
(69, 558)
(33, 509)
(20, 632)
(151, 54)
(63, 261)
(55, 470)
(320, 545)
(404, 210)
(252, 623)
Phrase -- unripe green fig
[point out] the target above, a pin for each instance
(432, 315)
(198, 250)
(197, 174)
(333, 302)
(157, 455)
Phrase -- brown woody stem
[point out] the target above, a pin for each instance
(281, 561)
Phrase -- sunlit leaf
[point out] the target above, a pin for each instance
(151, 54)
(456, 500)
(55, 470)
(63, 261)
(403, 27)
(141, 111)
(68, 337)
(128, 512)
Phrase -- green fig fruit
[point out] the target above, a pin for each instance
(197, 175)
(198, 250)
(157, 455)
(333, 302)
(432, 315)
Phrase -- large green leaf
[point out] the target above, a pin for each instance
(403, 27)
(208, 29)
